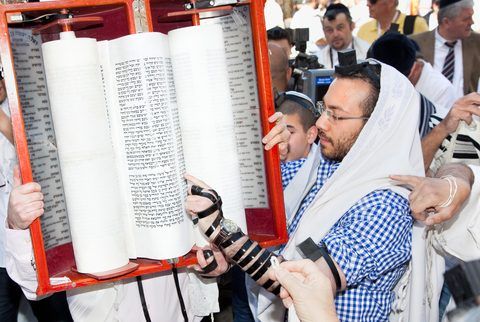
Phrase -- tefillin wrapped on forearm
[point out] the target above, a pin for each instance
(235, 245)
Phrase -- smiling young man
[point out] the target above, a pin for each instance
(384, 13)
(337, 27)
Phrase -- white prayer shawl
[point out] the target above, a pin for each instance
(458, 237)
(388, 144)
(302, 182)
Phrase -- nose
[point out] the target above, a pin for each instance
(323, 124)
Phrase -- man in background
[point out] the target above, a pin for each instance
(453, 49)
(279, 68)
(280, 37)
(337, 27)
(384, 14)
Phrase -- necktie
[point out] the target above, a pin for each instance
(449, 64)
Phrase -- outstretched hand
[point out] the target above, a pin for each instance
(428, 194)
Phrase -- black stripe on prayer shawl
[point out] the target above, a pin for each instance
(466, 138)
(427, 109)
(465, 156)
(467, 150)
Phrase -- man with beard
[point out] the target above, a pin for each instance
(337, 27)
(347, 205)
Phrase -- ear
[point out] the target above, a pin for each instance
(312, 133)
(415, 72)
(289, 73)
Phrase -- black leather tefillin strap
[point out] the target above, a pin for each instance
(242, 250)
(199, 191)
(312, 251)
(142, 299)
(214, 225)
(229, 242)
(259, 262)
(210, 267)
(250, 256)
(210, 210)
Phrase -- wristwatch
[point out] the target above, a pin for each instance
(227, 229)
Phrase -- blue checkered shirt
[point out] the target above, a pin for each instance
(290, 169)
(371, 243)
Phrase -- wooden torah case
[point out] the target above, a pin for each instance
(25, 27)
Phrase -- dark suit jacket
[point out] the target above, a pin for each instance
(471, 56)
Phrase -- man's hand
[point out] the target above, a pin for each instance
(307, 288)
(195, 203)
(25, 203)
(278, 135)
(462, 110)
(429, 193)
(205, 256)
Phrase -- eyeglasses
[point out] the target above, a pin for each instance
(334, 118)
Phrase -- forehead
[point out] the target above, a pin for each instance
(464, 14)
(293, 120)
(339, 18)
(347, 94)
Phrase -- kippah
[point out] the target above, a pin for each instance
(444, 3)
(396, 50)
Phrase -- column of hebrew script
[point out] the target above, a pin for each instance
(145, 118)
(32, 90)
(242, 81)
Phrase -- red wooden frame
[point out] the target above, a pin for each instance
(267, 225)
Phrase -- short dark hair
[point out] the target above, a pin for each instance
(334, 10)
(371, 75)
(278, 33)
(289, 107)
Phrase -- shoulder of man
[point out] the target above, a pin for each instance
(366, 30)
(423, 37)
(473, 39)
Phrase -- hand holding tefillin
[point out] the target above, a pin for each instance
(225, 235)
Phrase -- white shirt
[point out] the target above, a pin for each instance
(326, 53)
(436, 88)
(7, 160)
(441, 51)
(273, 15)
(117, 301)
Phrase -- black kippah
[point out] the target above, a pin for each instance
(396, 50)
(444, 3)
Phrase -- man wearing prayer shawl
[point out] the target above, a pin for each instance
(368, 130)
